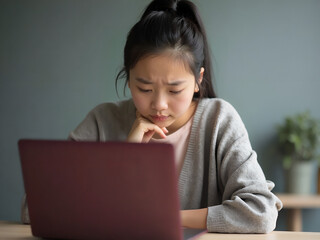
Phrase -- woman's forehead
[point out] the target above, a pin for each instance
(164, 60)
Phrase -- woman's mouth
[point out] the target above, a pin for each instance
(159, 118)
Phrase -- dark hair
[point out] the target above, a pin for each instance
(177, 26)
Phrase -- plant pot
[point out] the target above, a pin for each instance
(319, 180)
(300, 178)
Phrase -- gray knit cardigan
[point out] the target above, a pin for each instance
(220, 169)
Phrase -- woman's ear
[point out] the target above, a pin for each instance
(196, 89)
(201, 75)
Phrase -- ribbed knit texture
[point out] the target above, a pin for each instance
(220, 170)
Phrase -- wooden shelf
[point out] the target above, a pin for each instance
(299, 201)
(295, 203)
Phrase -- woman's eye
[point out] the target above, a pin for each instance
(144, 90)
(176, 92)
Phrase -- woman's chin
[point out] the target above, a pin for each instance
(162, 123)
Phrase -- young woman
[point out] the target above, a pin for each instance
(167, 68)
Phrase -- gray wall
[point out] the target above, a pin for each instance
(58, 59)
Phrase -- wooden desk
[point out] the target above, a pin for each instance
(16, 231)
(295, 204)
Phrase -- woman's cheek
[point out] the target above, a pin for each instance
(181, 104)
(140, 102)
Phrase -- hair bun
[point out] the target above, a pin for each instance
(167, 5)
(161, 5)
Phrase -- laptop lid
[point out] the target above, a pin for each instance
(100, 190)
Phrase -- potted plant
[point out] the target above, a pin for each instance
(318, 175)
(298, 139)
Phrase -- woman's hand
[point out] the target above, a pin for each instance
(143, 130)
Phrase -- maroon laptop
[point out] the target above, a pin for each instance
(95, 190)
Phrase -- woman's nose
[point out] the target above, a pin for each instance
(159, 102)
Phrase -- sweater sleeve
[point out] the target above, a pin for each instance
(106, 122)
(248, 205)
(87, 129)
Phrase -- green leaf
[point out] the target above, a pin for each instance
(287, 162)
(298, 138)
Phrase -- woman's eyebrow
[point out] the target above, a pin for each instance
(176, 83)
(143, 81)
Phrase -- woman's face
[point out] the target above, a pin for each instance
(162, 89)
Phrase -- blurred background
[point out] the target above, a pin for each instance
(59, 59)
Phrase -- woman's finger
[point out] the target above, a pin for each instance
(143, 130)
